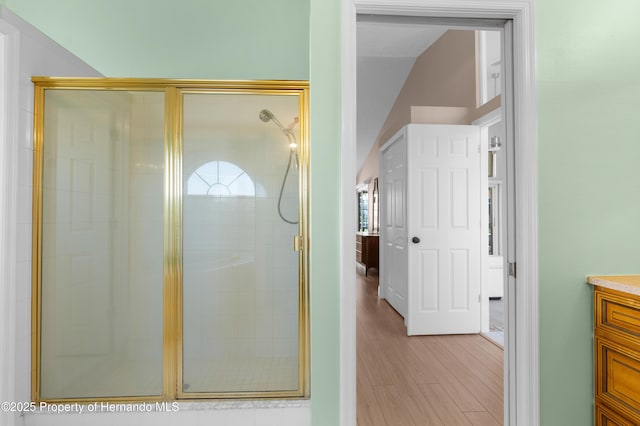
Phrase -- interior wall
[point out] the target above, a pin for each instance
(326, 185)
(589, 184)
(444, 75)
(36, 55)
(188, 39)
(7, 270)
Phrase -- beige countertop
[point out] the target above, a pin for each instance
(625, 283)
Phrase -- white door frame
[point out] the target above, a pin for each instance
(522, 400)
(484, 123)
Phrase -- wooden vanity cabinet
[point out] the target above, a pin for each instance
(617, 357)
(367, 247)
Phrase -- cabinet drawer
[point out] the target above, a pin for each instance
(617, 314)
(359, 256)
(618, 377)
(606, 417)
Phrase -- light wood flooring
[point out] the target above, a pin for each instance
(421, 380)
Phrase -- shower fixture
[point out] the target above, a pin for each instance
(266, 116)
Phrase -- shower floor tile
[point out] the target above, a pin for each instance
(241, 375)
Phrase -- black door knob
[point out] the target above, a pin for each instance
(415, 240)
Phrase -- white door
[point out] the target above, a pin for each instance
(393, 220)
(445, 249)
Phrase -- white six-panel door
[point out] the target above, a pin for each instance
(393, 223)
(445, 238)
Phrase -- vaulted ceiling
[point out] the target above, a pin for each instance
(386, 52)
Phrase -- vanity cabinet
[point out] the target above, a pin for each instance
(617, 350)
(367, 247)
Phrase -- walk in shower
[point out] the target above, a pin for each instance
(170, 249)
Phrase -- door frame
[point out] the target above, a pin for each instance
(522, 387)
(484, 123)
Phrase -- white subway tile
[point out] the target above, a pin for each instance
(269, 417)
(212, 418)
(298, 416)
(243, 417)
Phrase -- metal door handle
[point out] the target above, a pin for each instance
(415, 240)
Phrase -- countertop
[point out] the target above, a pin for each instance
(626, 283)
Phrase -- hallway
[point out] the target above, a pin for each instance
(421, 380)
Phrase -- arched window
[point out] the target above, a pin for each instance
(220, 179)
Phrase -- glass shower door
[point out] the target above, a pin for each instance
(169, 258)
(240, 215)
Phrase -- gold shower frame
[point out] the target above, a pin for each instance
(172, 261)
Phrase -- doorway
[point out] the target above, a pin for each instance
(521, 359)
(433, 174)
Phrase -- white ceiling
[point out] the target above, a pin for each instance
(386, 53)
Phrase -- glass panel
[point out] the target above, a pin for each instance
(102, 259)
(240, 275)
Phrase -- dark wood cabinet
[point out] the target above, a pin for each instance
(367, 247)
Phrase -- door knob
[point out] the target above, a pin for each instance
(415, 240)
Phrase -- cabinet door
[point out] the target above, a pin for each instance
(618, 377)
(606, 417)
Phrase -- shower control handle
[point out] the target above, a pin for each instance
(415, 240)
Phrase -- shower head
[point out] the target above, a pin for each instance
(266, 116)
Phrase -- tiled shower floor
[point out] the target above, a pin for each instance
(241, 375)
(212, 375)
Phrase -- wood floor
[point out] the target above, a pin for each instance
(421, 380)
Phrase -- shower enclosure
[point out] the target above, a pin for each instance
(170, 240)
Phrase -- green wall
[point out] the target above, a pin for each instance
(242, 39)
(325, 79)
(589, 183)
(249, 39)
